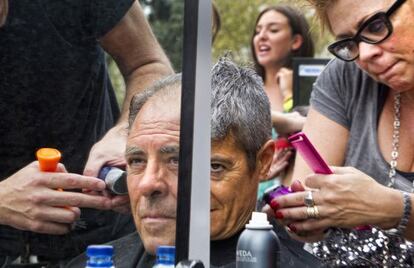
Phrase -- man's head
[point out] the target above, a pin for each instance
(241, 153)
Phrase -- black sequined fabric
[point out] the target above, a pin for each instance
(364, 248)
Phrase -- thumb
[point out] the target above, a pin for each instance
(93, 165)
(315, 181)
(297, 186)
(61, 168)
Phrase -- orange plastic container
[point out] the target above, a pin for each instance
(48, 159)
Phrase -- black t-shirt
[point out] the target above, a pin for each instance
(54, 86)
(55, 92)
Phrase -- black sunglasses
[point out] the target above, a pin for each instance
(373, 31)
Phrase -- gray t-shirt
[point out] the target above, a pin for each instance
(348, 96)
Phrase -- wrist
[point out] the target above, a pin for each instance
(400, 215)
(391, 211)
(406, 215)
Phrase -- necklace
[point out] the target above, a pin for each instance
(395, 140)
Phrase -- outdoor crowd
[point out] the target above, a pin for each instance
(55, 92)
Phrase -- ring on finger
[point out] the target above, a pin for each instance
(316, 211)
(309, 202)
(312, 212)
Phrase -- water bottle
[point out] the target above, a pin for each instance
(99, 256)
(258, 245)
(165, 257)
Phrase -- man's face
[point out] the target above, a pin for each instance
(233, 188)
(152, 157)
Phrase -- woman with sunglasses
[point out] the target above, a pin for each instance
(361, 117)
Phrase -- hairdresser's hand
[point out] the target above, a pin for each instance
(279, 163)
(345, 199)
(109, 151)
(118, 203)
(287, 123)
(29, 199)
(272, 212)
(284, 78)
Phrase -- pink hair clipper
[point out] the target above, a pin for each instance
(314, 160)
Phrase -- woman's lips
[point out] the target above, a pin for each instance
(387, 72)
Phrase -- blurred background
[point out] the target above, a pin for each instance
(237, 24)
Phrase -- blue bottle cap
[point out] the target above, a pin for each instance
(165, 254)
(100, 250)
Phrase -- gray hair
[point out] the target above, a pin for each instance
(169, 85)
(240, 107)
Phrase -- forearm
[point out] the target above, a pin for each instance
(140, 79)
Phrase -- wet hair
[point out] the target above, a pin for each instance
(168, 87)
(298, 25)
(239, 106)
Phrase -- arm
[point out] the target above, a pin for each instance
(286, 123)
(142, 61)
(345, 199)
(328, 137)
(137, 53)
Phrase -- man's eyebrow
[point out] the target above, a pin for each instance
(132, 150)
(170, 149)
(223, 160)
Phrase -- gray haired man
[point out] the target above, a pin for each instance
(241, 154)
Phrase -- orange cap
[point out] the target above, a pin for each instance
(48, 159)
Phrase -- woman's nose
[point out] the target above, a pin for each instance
(368, 52)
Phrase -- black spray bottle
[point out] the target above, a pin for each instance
(258, 245)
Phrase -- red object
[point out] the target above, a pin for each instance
(282, 143)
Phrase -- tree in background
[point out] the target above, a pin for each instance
(167, 21)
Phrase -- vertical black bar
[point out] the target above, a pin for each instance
(187, 129)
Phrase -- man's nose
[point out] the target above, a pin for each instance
(152, 183)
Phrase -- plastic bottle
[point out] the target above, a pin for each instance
(100, 256)
(258, 245)
(165, 257)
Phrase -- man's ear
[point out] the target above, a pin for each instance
(264, 159)
(297, 42)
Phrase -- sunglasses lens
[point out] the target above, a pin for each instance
(346, 50)
(375, 31)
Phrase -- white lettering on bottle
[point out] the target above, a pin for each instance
(245, 256)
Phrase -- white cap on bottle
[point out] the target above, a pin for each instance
(259, 221)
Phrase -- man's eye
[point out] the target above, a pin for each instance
(216, 167)
(173, 160)
(135, 161)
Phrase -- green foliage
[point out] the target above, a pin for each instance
(167, 21)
